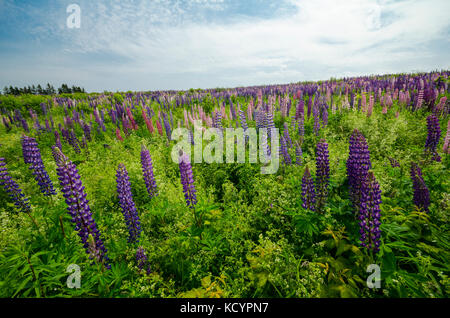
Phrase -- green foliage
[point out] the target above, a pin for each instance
(248, 236)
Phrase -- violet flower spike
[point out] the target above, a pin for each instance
(13, 189)
(308, 191)
(127, 204)
(78, 207)
(369, 214)
(147, 170)
(187, 180)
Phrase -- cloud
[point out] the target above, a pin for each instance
(206, 43)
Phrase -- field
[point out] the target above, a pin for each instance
(94, 204)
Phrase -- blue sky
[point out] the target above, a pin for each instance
(179, 44)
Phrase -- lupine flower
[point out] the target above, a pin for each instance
(147, 170)
(148, 122)
(369, 214)
(309, 106)
(127, 204)
(217, 123)
(119, 137)
(301, 126)
(284, 151)
(159, 127)
(371, 104)
(78, 207)
(434, 134)
(134, 126)
(142, 261)
(286, 135)
(12, 188)
(87, 132)
(5, 122)
(394, 162)
(316, 120)
(269, 123)
(421, 192)
(25, 125)
(187, 180)
(57, 139)
(33, 155)
(308, 191)
(244, 124)
(446, 147)
(73, 140)
(298, 154)
(322, 172)
(358, 165)
(167, 127)
(299, 112)
(26, 149)
(325, 116)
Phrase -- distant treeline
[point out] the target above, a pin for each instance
(39, 90)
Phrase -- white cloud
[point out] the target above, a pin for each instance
(176, 42)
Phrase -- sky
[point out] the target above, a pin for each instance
(181, 44)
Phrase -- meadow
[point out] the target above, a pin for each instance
(363, 180)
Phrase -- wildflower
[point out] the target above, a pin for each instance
(421, 193)
(78, 207)
(12, 188)
(308, 191)
(147, 170)
(322, 172)
(187, 180)
(369, 214)
(127, 204)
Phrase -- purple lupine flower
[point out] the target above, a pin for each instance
(309, 106)
(308, 191)
(187, 180)
(298, 154)
(87, 131)
(26, 149)
(25, 125)
(167, 127)
(127, 204)
(217, 122)
(301, 126)
(284, 151)
(325, 116)
(299, 112)
(269, 123)
(244, 124)
(142, 260)
(316, 120)
(286, 135)
(421, 192)
(73, 140)
(13, 189)
(434, 134)
(358, 165)
(322, 172)
(5, 122)
(78, 207)
(191, 137)
(57, 139)
(33, 154)
(147, 170)
(369, 214)
(394, 162)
